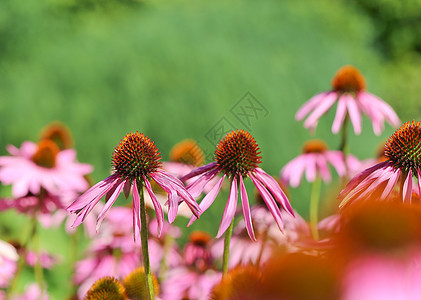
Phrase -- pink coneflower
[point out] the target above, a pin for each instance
(353, 101)
(136, 161)
(237, 157)
(42, 166)
(403, 162)
(8, 263)
(314, 162)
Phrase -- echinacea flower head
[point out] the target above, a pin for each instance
(403, 153)
(237, 156)
(187, 152)
(107, 288)
(348, 90)
(314, 162)
(136, 161)
(43, 166)
(135, 284)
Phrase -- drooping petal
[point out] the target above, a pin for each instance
(354, 113)
(293, 171)
(323, 167)
(229, 208)
(97, 191)
(209, 198)
(197, 186)
(419, 182)
(310, 168)
(118, 186)
(158, 208)
(390, 184)
(320, 110)
(246, 209)
(275, 189)
(126, 189)
(137, 225)
(310, 105)
(339, 116)
(336, 158)
(407, 188)
(270, 202)
(199, 171)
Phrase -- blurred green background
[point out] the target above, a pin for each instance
(173, 69)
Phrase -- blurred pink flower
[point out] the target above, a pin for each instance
(353, 101)
(237, 156)
(8, 263)
(403, 162)
(314, 161)
(268, 237)
(32, 292)
(136, 160)
(194, 279)
(112, 252)
(33, 167)
(47, 260)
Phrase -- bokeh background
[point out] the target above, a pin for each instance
(174, 69)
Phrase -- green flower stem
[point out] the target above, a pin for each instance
(144, 239)
(314, 206)
(227, 242)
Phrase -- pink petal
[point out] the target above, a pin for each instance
(209, 198)
(340, 115)
(310, 168)
(336, 158)
(407, 188)
(199, 171)
(197, 186)
(137, 225)
(126, 189)
(118, 186)
(323, 168)
(419, 182)
(158, 208)
(354, 113)
(390, 184)
(270, 202)
(97, 191)
(310, 105)
(323, 107)
(246, 209)
(275, 189)
(229, 208)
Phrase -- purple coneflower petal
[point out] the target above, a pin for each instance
(246, 209)
(275, 189)
(340, 115)
(336, 158)
(95, 192)
(419, 182)
(324, 169)
(407, 188)
(158, 208)
(310, 167)
(209, 198)
(196, 187)
(390, 184)
(385, 175)
(118, 186)
(199, 171)
(137, 226)
(387, 110)
(270, 202)
(229, 208)
(310, 105)
(320, 110)
(126, 189)
(354, 113)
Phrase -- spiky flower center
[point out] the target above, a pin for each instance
(135, 156)
(237, 153)
(107, 288)
(59, 134)
(314, 146)
(187, 152)
(136, 286)
(403, 147)
(348, 79)
(45, 156)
